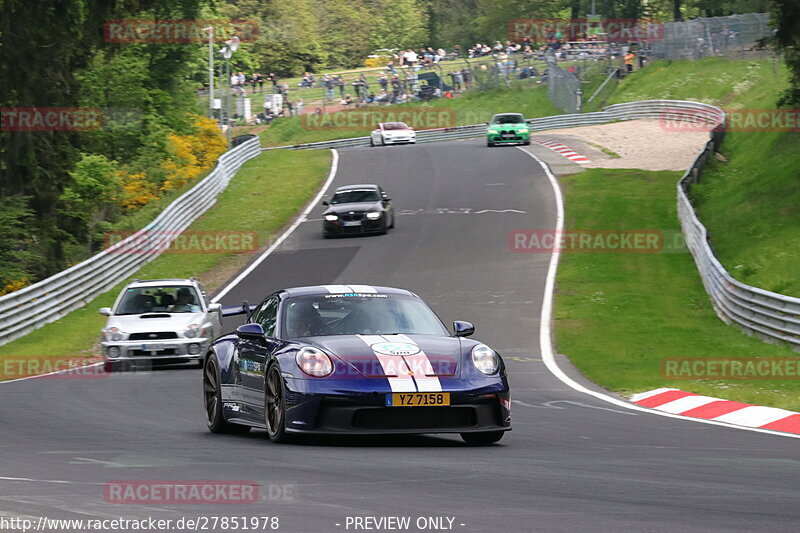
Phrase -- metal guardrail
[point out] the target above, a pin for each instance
(767, 315)
(656, 109)
(29, 308)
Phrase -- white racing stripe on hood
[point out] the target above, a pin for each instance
(420, 366)
(344, 289)
(363, 289)
(337, 289)
(394, 367)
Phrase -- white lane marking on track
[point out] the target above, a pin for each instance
(246, 272)
(499, 211)
(546, 341)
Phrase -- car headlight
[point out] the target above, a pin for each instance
(523, 130)
(114, 334)
(374, 215)
(485, 359)
(314, 362)
(493, 130)
(192, 331)
(331, 218)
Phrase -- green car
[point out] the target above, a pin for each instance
(507, 128)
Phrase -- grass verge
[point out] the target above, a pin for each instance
(618, 315)
(265, 194)
(749, 201)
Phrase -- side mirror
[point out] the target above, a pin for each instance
(387, 199)
(250, 331)
(214, 308)
(105, 311)
(325, 202)
(463, 329)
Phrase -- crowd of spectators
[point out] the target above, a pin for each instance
(400, 81)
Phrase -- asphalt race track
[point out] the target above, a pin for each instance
(571, 463)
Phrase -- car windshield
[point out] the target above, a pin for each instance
(395, 126)
(159, 299)
(359, 314)
(353, 196)
(508, 119)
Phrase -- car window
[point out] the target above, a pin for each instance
(508, 119)
(159, 299)
(355, 196)
(267, 316)
(359, 314)
(395, 126)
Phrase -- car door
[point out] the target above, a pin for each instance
(253, 355)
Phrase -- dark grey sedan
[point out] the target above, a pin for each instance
(358, 210)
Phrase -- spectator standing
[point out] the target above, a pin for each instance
(328, 84)
(339, 82)
(629, 57)
(383, 82)
(299, 107)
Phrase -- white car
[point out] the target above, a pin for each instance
(159, 321)
(392, 133)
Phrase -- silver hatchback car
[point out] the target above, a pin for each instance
(159, 321)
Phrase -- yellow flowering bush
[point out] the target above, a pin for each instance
(14, 285)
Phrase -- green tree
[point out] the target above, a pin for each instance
(88, 202)
(399, 24)
(345, 31)
(786, 19)
(19, 252)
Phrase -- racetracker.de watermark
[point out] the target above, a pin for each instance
(51, 119)
(367, 119)
(177, 492)
(177, 242)
(70, 119)
(49, 367)
(782, 120)
(643, 241)
(778, 368)
(607, 30)
(177, 31)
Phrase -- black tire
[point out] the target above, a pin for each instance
(212, 400)
(489, 144)
(391, 226)
(483, 438)
(371, 141)
(527, 143)
(383, 141)
(275, 405)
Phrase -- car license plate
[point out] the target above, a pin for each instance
(508, 136)
(417, 399)
(153, 347)
(353, 223)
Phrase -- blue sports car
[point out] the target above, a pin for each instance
(354, 359)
